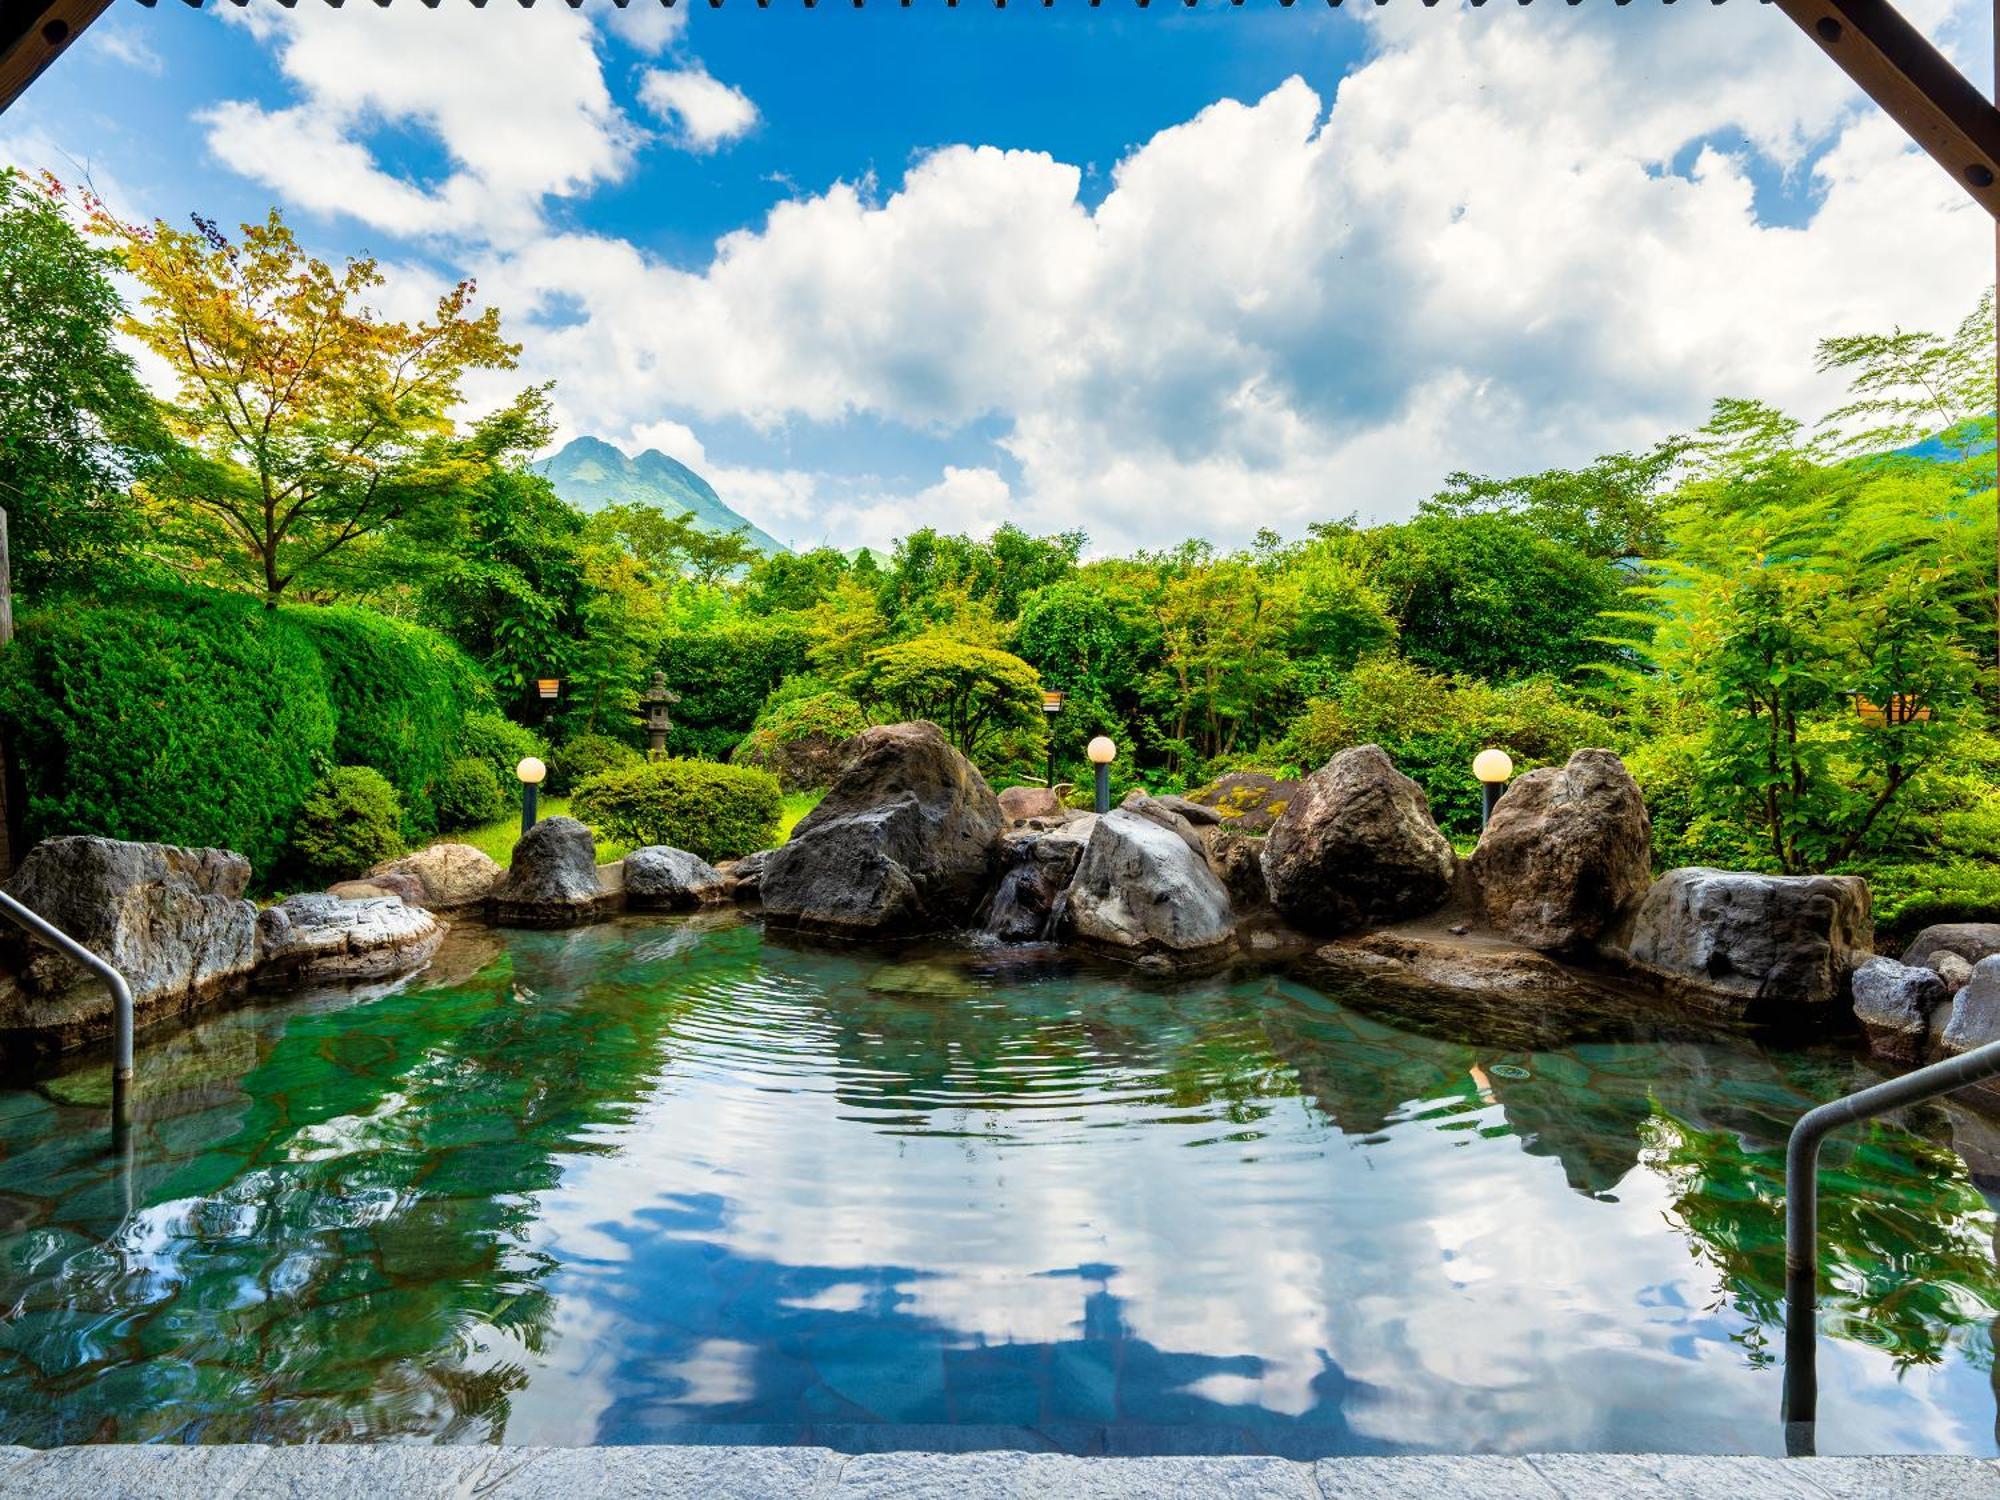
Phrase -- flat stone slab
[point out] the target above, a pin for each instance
(392, 1471)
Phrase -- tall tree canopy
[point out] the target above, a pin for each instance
(313, 420)
(76, 426)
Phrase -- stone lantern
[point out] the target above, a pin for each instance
(656, 702)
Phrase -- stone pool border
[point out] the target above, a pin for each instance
(393, 1471)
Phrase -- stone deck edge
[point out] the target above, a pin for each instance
(396, 1471)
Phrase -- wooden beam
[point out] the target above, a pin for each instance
(33, 33)
(1901, 71)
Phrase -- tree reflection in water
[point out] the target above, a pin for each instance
(678, 1177)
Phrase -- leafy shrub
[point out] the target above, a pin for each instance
(583, 756)
(974, 694)
(1910, 897)
(723, 676)
(351, 820)
(798, 738)
(467, 795)
(1689, 828)
(1432, 726)
(189, 716)
(716, 811)
(501, 743)
(400, 696)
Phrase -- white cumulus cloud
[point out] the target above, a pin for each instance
(706, 112)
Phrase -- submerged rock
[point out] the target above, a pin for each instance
(1568, 851)
(1757, 947)
(173, 921)
(1895, 1004)
(1248, 801)
(658, 878)
(553, 880)
(1464, 970)
(1140, 891)
(1036, 866)
(1356, 847)
(904, 842)
(452, 875)
(323, 937)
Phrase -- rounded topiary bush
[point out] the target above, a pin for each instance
(501, 743)
(467, 795)
(715, 811)
(583, 756)
(351, 820)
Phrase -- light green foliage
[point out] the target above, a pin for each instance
(791, 581)
(932, 572)
(977, 696)
(1432, 726)
(467, 795)
(75, 425)
(582, 756)
(715, 811)
(675, 546)
(1796, 595)
(1091, 636)
(350, 821)
(502, 744)
(1613, 507)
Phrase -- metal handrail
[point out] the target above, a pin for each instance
(1801, 1399)
(121, 1002)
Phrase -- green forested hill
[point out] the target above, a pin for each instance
(590, 474)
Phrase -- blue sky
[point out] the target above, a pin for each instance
(1152, 272)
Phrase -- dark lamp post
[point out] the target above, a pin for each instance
(1052, 704)
(531, 772)
(1102, 752)
(1493, 768)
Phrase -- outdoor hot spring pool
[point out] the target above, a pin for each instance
(665, 1180)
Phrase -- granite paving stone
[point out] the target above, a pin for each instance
(421, 1471)
(707, 1473)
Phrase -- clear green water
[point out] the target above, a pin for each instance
(672, 1182)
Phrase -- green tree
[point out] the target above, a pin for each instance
(1613, 507)
(76, 426)
(314, 422)
(974, 694)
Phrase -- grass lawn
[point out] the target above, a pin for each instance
(498, 839)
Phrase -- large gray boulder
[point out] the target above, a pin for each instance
(1036, 867)
(322, 938)
(1755, 947)
(658, 878)
(553, 880)
(1568, 851)
(451, 875)
(1238, 862)
(1356, 847)
(905, 841)
(173, 921)
(1975, 1011)
(1248, 801)
(1895, 1004)
(1971, 941)
(1159, 810)
(1140, 892)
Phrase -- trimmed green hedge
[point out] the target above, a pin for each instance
(192, 717)
(502, 744)
(715, 811)
(583, 756)
(400, 696)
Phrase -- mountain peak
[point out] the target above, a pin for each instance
(591, 473)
